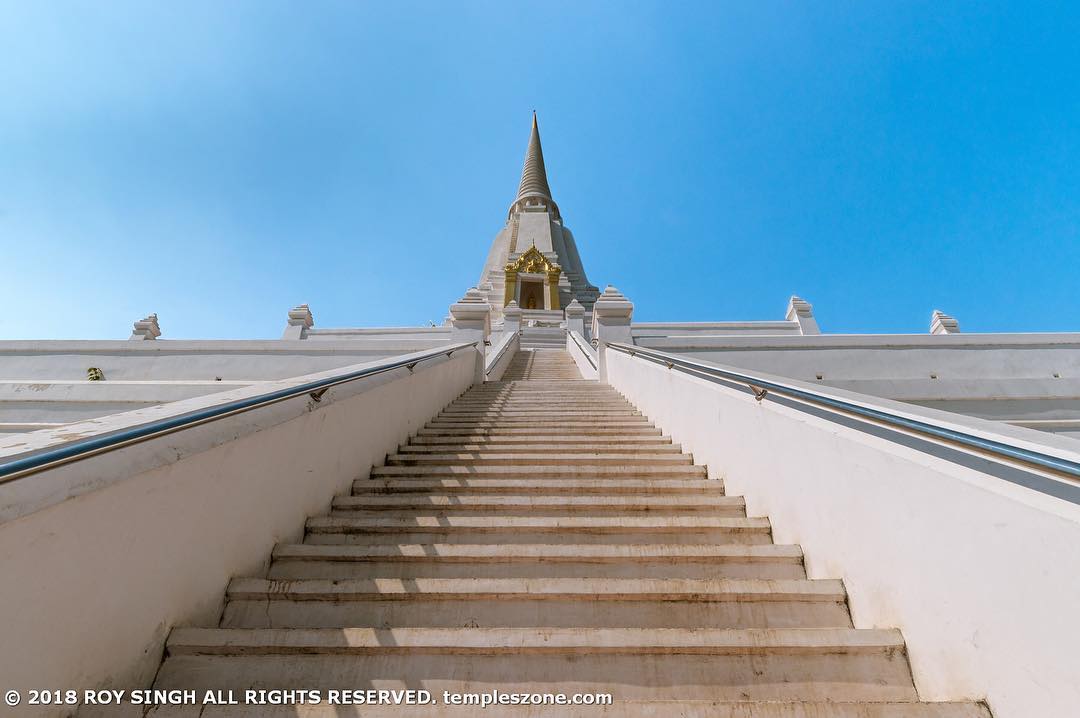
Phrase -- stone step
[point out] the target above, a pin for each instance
(540, 407)
(527, 401)
(554, 524)
(537, 529)
(526, 373)
(511, 384)
(543, 431)
(522, 396)
(531, 408)
(529, 602)
(559, 487)
(541, 412)
(559, 383)
(713, 504)
(533, 416)
(550, 447)
(534, 407)
(536, 373)
(618, 709)
(572, 388)
(553, 423)
(835, 664)
(483, 459)
(534, 471)
(295, 561)
(567, 442)
(546, 589)
(570, 394)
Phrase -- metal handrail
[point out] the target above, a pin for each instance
(585, 348)
(92, 446)
(762, 387)
(498, 356)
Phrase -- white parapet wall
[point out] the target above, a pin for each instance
(47, 382)
(981, 574)
(583, 355)
(503, 348)
(102, 557)
(1030, 380)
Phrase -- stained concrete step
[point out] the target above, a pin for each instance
(618, 709)
(585, 524)
(545, 589)
(539, 415)
(482, 459)
(534, 471)
(540, 412)
(573, 394)
(530, 602)
(583, 432)
(712, 504)
(537, 529)
(521, 448)
(531, 405)
(547, 396)
(573, 388)
(568, 442)
(819, 664)
(628, 422)
(561, 385)
(443, 560)
(560, 487)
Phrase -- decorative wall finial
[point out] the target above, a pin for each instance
(146, 328)
(802, 312)
(942, 323)
(300, 320)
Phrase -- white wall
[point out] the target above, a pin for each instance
(45, 381)
(1003, 377)
(111, 552)
(982, 575)
(170, 360)
(499, 362)
(587, 368)
(696, 330)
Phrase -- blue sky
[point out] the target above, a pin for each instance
(220, 162)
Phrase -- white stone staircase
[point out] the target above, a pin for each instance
(541, 535)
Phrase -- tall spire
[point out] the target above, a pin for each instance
(533, 175)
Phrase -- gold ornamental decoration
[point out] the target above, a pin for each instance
(533, 262)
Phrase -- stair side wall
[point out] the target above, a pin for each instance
(979, 573)
(152, 550)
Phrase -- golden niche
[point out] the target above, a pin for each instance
(533, 262)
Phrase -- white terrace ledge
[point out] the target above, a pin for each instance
(847, 341)
(24, 496)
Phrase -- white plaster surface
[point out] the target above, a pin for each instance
(1004, 377)
(586, 359)
(45, 381)
(982, 575)
(504, 347)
